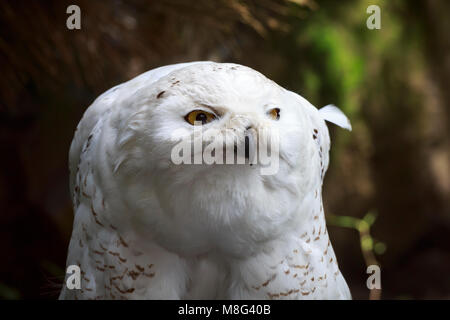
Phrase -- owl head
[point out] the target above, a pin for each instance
(190, 152)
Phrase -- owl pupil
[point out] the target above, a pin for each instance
(277, 113)
(201, 117)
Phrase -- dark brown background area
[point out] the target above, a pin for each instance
(393, 83)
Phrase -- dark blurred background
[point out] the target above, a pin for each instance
(391, 171)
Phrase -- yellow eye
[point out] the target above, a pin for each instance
(274, 113)
(200, 116)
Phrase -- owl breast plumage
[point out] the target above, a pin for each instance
(146, 227)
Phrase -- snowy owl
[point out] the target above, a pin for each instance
(148, 228)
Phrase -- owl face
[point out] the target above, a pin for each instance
(225, 110)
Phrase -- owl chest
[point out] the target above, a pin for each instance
(301, 267)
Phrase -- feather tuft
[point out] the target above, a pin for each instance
(333, 114)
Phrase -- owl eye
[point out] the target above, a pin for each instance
(200, 116)
(274, 113)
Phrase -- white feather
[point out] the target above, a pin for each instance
(333, 114)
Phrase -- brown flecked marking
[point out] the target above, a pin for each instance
(116, 254)
(118, 277)
(92, 210)
(266, 283)
(160, 94)
(331, 260)
(131, 290)
(95, 216)
(298, 266)
(98, 222)
(150, 265)
(285, 294)
(123, 242)
(133, 274)
(316, 238)
(316, 217)
(304, 235)
(112, 227)
(98, 252)
(102, 247)
(312, 279)
(305, 293)
(122, 259)
(149, 275)
(309, 240)
(303, 282)
(101, 269)
(295, 251)
(315, 131)
(141, 269)
(88, 289)
(287, 271)
(81, 243)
